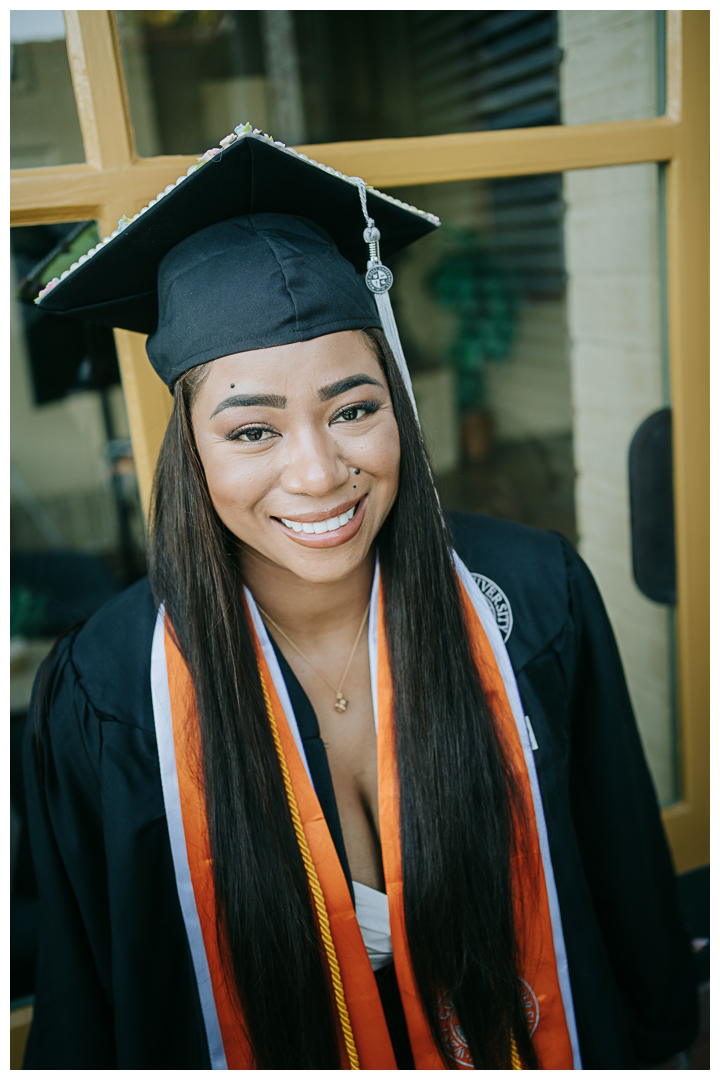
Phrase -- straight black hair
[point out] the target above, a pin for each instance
(461, 810)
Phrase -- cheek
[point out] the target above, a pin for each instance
(235, 483)
(381, 454)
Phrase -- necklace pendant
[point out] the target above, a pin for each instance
(341, 704)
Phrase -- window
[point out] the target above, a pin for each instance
(511, 126)
(44, 125)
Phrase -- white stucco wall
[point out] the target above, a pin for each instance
(616, 361)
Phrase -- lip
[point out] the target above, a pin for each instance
(321, 515)
(327, 540)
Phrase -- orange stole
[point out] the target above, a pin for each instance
(372, 1040)
(533, 923)
(361, 994)
(551, 1038)
(186, 737)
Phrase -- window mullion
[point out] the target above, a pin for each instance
(100, 92)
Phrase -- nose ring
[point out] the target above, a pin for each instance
(356, 471)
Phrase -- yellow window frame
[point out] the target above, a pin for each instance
(113, 180)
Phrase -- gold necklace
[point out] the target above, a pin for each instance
(341, 702)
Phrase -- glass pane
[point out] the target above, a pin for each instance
(327, 76)
(44, 125)
(613, 65)
(76, 529)
(533, 327)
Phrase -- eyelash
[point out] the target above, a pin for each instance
(233, 436)
(368, 407)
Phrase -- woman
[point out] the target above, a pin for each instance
(293, 803)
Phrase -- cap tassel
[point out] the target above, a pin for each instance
(387, 318)
(378, 280)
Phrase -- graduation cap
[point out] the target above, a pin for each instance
(256, 246)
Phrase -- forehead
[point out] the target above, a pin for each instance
(302, 366)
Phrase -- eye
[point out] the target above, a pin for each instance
(252, 434)
(356, 412)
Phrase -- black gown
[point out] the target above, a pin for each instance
(115, 982)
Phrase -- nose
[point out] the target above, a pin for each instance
(314, 464)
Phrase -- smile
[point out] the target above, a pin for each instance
(329, 525)
(327, 529)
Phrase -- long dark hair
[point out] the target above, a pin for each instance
(460, 808)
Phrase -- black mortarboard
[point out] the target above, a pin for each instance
(256, 246)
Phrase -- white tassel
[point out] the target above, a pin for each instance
(390, 329)
(378, 280)
(387, 318)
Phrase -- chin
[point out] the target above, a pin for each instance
(323, 566)
(320, 566)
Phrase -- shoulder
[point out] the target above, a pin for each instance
(524, 573)
(109, 657)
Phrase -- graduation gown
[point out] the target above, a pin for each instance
(115, 982)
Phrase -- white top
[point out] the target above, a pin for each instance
(373, 916)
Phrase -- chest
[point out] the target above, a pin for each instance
(349, 743)
(347, 733)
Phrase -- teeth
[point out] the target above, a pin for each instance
(329, 525)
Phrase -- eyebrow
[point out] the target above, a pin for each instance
(267, 401)
(278, 401)
(335, 389)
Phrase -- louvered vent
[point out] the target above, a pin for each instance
(480, 71)
(485, 70)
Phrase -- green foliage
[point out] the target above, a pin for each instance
(78, 243)
(27, 611)
(471, 283)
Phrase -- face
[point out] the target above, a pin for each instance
(281, 433)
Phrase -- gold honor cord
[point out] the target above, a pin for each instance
(317, 893)
(514, 1056)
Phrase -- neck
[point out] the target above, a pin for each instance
(309, 607)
